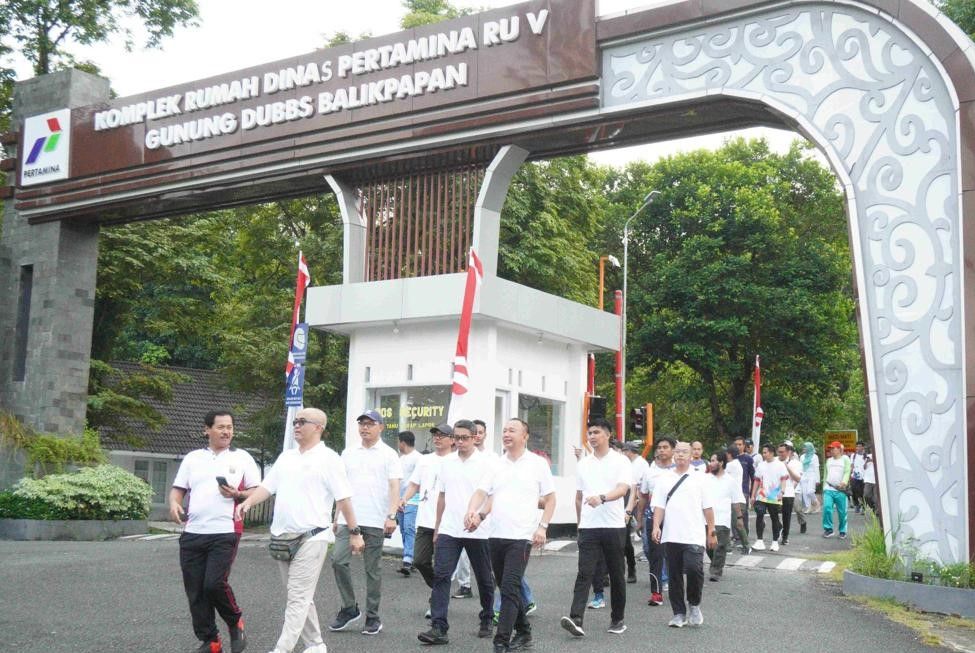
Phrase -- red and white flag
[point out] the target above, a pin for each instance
(757, 412)
(461, 379)
(301, 283)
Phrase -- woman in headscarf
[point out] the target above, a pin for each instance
(810, 476)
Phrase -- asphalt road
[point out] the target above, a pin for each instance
(127, 596)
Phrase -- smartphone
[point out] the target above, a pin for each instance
(222, 480)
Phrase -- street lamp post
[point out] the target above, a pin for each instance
(626, 251)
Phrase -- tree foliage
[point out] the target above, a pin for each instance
(427, 12)
(41, 29)
(744, 252)
(962, 12)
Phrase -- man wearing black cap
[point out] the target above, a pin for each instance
(423, 483)
(374, 473)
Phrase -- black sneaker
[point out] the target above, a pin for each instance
(842, 536)
(828, 532)
(631, 577)
(486, 630)
(238, 640)
(433, 636)
(573, 626)
(373, 626)
(617, 628)
(520, 641)
(405, 570)
(345, 617)
(463, 592)
(213, 646)
(500, 647)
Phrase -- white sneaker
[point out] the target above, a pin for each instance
(679, 621)
(759, 545)
(317, 648)
(774, 546)
(694, 616)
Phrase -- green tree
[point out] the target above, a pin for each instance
(744, 252)
(41, 29)
(427, 12)
(960, 11)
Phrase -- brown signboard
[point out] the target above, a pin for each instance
(394, 87)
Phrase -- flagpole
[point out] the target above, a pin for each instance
(301, 283)
(757, 413)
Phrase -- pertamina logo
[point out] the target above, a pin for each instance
(48, 137)
(46, 143)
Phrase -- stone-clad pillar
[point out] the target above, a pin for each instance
(58, 260)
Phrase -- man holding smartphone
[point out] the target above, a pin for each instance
(216, 478)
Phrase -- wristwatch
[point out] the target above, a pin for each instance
(602, 498)
(391, 517)
(355, 531)
(543, 525)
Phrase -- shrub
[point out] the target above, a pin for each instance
(870, 554)
(103, 492)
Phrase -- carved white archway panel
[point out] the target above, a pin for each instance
(868, 93)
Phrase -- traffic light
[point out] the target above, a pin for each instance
(638, 420)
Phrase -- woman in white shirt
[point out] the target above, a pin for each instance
(810, 477)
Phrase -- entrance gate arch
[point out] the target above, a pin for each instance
(885, 88)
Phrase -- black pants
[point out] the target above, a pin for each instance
(509, 559)
(856, 490)
(205, 561)
(788, 503)
(773, 510)
(599, 574)
(628, 549)
(445, 562)
(719, 554)
(596, 544)
(655, 554)
(423, 554)
(684, 560)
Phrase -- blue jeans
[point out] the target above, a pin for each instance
(407, 528)
(654, 554)
(526, 595)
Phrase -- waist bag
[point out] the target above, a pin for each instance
(285, 546)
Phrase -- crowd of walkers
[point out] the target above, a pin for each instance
(470, 516)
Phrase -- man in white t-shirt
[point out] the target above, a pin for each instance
(787, 455)
(516, 486)
(374, 473)
(215, 477)
(602, 481)
(683, 520)
(458, 480)
(857, 460)
(307, 480)
(767, 491)
(663, 463)
(733, 469)
(727, 505)
(406, 515)
(869, 480)
(423, 484)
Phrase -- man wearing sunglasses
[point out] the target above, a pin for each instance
(307, 481)
(374, 471)
(457, 483)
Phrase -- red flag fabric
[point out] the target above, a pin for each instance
(475, 273)
(302, 282)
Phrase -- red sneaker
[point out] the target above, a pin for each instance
(656, 599)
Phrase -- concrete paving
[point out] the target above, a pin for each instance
(127, 595)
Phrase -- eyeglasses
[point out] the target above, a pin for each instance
(463, 437)
(301, 421)
(438, 434)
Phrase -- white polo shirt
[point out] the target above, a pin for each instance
(458, 481)
(640, 469)
(408, 463)
(725, 490)
(307, 485)
(370, 470)
(425, 475)
(650, 478)
(210, 512)
(516, 486)
(595, 476)
(684, 514)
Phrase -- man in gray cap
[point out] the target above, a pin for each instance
(374, 473)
